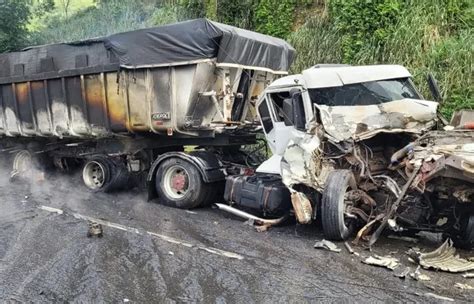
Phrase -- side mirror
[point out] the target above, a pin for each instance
(434, 88)
(298, 111)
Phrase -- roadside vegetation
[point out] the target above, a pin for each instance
(434, 36)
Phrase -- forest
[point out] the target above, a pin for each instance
(426, 36)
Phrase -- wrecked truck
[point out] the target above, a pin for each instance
(360, 150)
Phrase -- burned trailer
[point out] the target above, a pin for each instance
(129, 103)
(360, 150)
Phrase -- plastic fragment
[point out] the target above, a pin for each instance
(382, 261)
(325, 244)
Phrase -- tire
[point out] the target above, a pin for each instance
(103, 174)
(179, 184)
(27, 165)
(466, 238)
(333, 205)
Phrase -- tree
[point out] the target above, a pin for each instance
(13, 20)
(65, 6)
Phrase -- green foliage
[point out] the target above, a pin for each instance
(275, 17)
(190, 9)
(13, 20)
(106, 18)
(238, 13)
(360, 21)
(317, 41)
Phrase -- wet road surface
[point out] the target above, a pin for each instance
(155, 254)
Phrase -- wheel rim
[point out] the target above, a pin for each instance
(346, 205)
(22, 162)
(176, 182)
(94, 175)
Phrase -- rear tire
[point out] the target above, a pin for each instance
(103, 174)
(27, 165)
(333, 205)
(179, 184)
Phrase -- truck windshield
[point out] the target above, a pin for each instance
(365, 93)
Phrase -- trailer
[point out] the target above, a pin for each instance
(128, 103)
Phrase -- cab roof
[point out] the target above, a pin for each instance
(325, 76)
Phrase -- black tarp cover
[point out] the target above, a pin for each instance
(173, 44)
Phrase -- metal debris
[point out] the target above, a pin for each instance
(402, 274)
(418, 276)
(443, 258)
(382, 261)
(95, 229)
(463, 286)
(349, 248)
(325, 244)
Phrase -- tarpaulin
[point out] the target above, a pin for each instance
(173, 44)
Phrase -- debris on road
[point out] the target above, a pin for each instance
(382, 261)
(325, 244)
(402, 274)
(443, 258)
(404, 238)
(95, 229)
(463, 286)
(418, 276)
(349, 248)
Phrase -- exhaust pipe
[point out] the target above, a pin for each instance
(248, 216)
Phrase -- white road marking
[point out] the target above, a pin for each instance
(163, 237)
(51, 209)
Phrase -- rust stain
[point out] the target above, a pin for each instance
(113, 103)
(22, 93)
(37, 85)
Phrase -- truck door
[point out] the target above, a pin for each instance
(281, 114)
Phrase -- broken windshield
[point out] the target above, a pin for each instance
(365, 93)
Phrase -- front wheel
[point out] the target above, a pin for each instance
(179, 184)
(336, 225)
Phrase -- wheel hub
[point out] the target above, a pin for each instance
(94, 175)
(178, 182)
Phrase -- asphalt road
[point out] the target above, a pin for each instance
(155, 254)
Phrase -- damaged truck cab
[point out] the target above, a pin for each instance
(358, 149)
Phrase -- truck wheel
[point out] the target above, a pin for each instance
(179, 184)
(22, 162)
(102, 174)
(466, 238)
(29, 165)
(335, 224)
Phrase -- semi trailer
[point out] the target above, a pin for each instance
(356, 148)
(127, 105)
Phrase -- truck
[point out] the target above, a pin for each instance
(355, 148)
